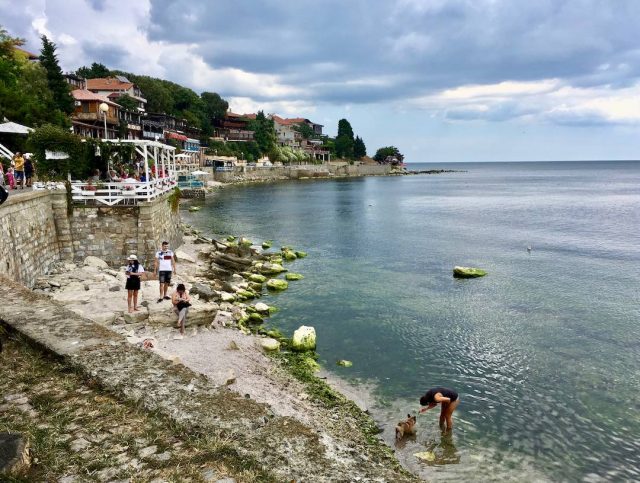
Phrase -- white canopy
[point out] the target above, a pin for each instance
(199, 173)
(14, 128)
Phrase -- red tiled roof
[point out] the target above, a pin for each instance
(108, 84)
(85, 95)
(175, 135)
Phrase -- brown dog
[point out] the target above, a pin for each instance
(407, 427)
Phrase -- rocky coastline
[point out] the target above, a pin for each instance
(226, 342)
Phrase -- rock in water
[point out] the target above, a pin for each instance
(293, 276)
(304, 339)
(468, 272)
(267, 244)
(270, 344)
(14, 454)
(262, 307)
(194, 208)
(275, 284)
(257, 278)
(289, 255)
(300, 254)
(344, 363)
(425, 456)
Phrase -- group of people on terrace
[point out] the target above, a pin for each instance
(164, 267)
(19, 173)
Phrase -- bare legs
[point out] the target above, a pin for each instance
(182, 318)
(446, 415)
(132, 300)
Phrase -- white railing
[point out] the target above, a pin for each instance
(121, 193)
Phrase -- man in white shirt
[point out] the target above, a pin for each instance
(164, 267)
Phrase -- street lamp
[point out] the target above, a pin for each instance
(104, 108)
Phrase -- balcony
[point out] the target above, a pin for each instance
(94, 117)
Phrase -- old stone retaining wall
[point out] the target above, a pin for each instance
(36, 231)
(242, 173)
(28, 237)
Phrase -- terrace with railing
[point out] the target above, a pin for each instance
(131, 191)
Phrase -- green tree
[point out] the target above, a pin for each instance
(344, 140)
(264, 132)
(127, 102)
(25, 96)
(58, 86)
(359, 149)
(384, 154)
(345, 129)
(305, 130)
(96, 71)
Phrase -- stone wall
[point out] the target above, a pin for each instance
(242, 173)
(36, 231)
(28, 237)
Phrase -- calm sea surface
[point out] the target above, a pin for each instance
(545, 350)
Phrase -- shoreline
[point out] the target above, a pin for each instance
(290, 388)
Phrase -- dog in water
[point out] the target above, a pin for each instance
(406, 427)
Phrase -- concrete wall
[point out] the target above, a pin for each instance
(36, 231)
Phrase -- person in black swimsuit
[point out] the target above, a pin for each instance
(449, 400)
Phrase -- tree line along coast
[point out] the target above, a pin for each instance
(71, 112)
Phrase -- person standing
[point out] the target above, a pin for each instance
(18, 162)
(181, 303)
(447, 398)
(164, 267)
(133, 272)
(11, 180)
(28, 170)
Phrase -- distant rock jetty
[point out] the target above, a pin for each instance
(434, 171)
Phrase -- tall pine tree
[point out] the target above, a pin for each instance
(344, 140)
(58, 86)
(359, 149)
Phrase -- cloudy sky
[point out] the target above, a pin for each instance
(443, 80)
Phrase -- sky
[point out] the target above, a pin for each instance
(442, 80)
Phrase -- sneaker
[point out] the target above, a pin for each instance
(160, 300)
(167, 298)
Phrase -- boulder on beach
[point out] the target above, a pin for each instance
(231, 238)
(255, 318)
(468, 272)
(204, 291)
(257, 278)
(262, 307)
(272, 268)
(245, 242)
(425, 456)
(269, 344)
(293, 276)
(289, 255)
(95, 262)
(276, 284)
(304, 339)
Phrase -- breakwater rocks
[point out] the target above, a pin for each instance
(228, 377)
(434, 171)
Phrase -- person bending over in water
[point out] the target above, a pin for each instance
(448, 398)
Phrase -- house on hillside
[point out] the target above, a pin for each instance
(114, 87)
(235, 127)
(75, 81)
(88, 120)
(287, 135)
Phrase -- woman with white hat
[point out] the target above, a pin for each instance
(134, 270)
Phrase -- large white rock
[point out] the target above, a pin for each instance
(304, 339)
(227, 297)
(223, 318)
(95, 262)
(262, 307)
(184, 257)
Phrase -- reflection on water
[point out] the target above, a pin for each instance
(544, 351)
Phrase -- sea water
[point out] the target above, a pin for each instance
(544, 350)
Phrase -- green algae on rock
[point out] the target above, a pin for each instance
(257, 278)
(267, 244)
(288, 255)
(275, 284)
(270, 344)
(304, 339)
(344, 363)
(468, 272)
(300, 254)
(293, 276)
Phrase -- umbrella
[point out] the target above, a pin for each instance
(199, 173)
(14, 128)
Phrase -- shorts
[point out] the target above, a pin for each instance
(133, 283)
(19, 175)
(165, 276)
